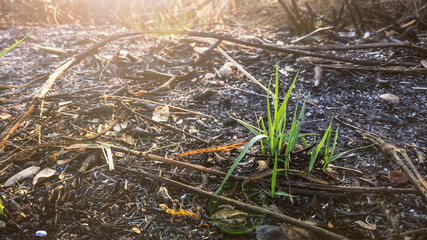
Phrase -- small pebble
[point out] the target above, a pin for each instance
(269, 232)
(390, 98)
(41, 233)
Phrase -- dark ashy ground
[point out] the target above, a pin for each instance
(116, 204)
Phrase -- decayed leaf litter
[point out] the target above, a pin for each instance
(353, 98)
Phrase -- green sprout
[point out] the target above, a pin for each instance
(316, 149)
(329, 153)
(273, 137)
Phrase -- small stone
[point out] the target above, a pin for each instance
(41, 233)
(390, 98)
(269, 232)
(225, 70)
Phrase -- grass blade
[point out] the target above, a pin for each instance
(274, 176)
(241, 155)
(251, 128)
(304, 141)
(263, 149)
(282, 110)
(285, 194)
(291, 139)
(333, 158)
(335, 140)
(277, 116)
(270, 124)
(267, 141)
(14, 45)
(328, 142)
(316, 150)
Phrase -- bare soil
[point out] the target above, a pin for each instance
(116, 204)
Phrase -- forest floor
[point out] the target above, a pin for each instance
(113, 92)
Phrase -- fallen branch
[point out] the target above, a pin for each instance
(251, 208)
(42, 77)
(321, 187)
(372, 69)
(377, 135)
(174, 80)
(334, 188)
(244, 71)
(330, 64)
(288, 50)
(153, 157)
(359, 46)
(414, 176)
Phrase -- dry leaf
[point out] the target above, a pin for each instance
(135, 229)
(161, 114)
(5, 115)
(119, 126)
(127, 139)
(28, 172)
(424, 63)
(397, 176)
(390, 98)
(43, 175)
(64, 161)
(366, 225)
(227, 212)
